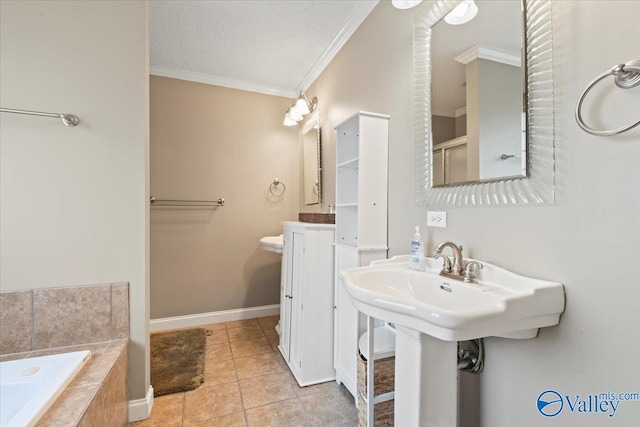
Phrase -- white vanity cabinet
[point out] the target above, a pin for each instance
(306, 301)
(361, 224)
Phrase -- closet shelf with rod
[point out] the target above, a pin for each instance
(185, 203)
(69, 120)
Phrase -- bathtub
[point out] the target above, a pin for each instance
(28, 387)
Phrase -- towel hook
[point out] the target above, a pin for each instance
(275, 185)
(626, 76)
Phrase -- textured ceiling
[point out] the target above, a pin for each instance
(269, 46)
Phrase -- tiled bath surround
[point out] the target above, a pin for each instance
(45, 321)
(46, 318)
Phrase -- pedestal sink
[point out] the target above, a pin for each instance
(431, 313)
(272, 243)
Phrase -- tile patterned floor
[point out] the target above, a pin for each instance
(247, 383)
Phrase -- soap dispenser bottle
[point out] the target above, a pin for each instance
(417, 261)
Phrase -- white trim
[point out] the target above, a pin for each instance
(360, 13)
(443, 113)
(484, 52)
(358, 16)
(461, 111)
(140, 409)
(200, 319)
(220, 81)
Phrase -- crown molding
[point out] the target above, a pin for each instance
(484, 52)
(357, 17)
(220, 81)
(443, 113)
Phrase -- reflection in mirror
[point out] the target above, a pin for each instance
(467, 162)
(311, 156)
(477, 98)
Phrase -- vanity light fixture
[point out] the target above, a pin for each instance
(462, 13)
(294, 114)
(301, 107)
(287, 119)
(405, 4)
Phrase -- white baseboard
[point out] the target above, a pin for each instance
(140, 409)
(200, 319)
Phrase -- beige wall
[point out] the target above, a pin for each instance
(209, 142)
(443, 128)
(73, 200)
(588, 239)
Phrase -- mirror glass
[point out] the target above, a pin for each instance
(311, 156)
(480, 139)
(477, 96)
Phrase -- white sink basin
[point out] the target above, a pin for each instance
(272, 243)
(502, 303)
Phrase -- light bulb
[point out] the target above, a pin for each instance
(288, 121)
(405, 4)
(462, 13)
(301, 105)
(294, 114)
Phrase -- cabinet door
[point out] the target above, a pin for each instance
(297, 300)
(285, 295)
(346, 324)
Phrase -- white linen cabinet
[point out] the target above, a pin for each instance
(306, 301)
(362, 146)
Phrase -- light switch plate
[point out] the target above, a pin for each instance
(436, 219)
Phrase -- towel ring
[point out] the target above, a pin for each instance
(275, 185)
(626, 76)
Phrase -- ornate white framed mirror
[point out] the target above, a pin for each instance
(498, 80)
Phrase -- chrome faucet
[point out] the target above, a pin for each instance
(456, 269)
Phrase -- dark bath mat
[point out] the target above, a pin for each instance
(177, 360)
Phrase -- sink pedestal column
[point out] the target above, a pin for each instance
(426, 381)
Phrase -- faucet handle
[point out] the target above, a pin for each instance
(470, 271)
(447, 261)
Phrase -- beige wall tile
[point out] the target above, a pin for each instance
(94, 415)
(14, 356)
(68, 316)
(16, 314)
(69, 408)
(96, 370)
(120, 310)
(114, 394)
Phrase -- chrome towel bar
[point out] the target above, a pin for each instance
(626, 76)
(68, 119)
(185, 203)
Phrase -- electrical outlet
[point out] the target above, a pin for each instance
(436, 219)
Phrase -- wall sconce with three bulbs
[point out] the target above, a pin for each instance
(300, 108)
